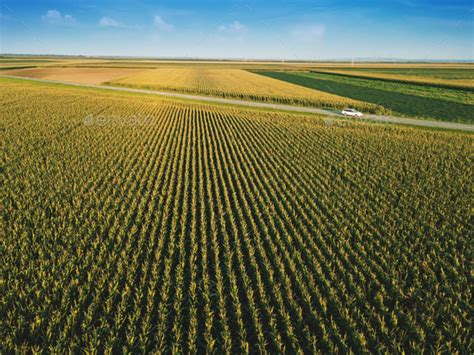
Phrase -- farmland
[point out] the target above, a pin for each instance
(26, 62)
(235, 83)
(451, 78)
(437, 92)
(408, 99)
(9, 62)
(141, 224)
(461, 73)
(75, 75)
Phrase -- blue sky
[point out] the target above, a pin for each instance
(278, 29)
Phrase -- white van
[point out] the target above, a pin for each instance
(351, 112)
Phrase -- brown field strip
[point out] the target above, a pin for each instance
(75, 75)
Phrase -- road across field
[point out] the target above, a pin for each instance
(375, 118)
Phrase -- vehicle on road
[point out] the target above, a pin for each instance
(351, 112)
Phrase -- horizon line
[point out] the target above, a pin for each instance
(244, 59)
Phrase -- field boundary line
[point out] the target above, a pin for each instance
(300, 109)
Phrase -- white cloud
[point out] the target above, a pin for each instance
(108, 22)
(54, 17)
(162, 25)
(309, 33)
(235, 27)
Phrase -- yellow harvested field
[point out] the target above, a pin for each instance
(235, 83)
(457, 83)
(74, 75)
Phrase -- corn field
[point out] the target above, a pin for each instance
(462, 83)
(237, 84)
(140, 224)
